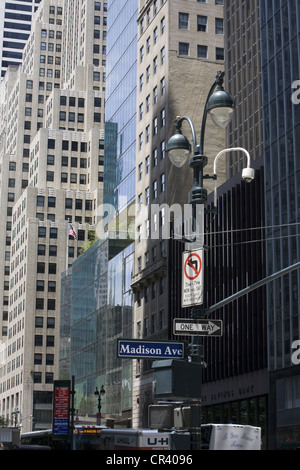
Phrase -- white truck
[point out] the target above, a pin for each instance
(134, 439)
(230, 437)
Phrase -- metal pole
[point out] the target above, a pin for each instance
(72, 411)
(254, 286)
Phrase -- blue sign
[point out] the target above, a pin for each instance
(151, 349)
(61, 426)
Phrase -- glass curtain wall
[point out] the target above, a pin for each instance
(280, 30)
(120, 109)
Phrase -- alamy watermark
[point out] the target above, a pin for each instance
(151, 221)
(296, 354)
(296, 94)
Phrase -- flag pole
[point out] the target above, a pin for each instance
(67, 254)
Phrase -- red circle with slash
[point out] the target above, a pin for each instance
(195, 265)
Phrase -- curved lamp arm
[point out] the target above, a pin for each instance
(218, 81)
(178, 124)
(235, 149)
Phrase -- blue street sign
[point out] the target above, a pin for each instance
(133, 349)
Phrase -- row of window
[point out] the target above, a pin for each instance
(74, 145)
(156, 226)
(51, 34)
(37, 377)
(68, 217)
(38, 359)
(148, 15)
(184, 23)
(162, 186)
(39, 305)
(55, 10)
(202, 51)
(155, 129)
(73, 177)
(156, 324)
(147, 47)
(97, 6)
(155, 156)
(71, 117)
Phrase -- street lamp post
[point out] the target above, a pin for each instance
(99, 394)
(220, 106)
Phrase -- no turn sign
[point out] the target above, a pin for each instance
(192, 278)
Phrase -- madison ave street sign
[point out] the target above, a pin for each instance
(191, 327)
(136, 349)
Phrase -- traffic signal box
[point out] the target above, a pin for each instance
(177, 379)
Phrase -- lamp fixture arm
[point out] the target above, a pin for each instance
(218, 82)
(234, 149)
(178, 125)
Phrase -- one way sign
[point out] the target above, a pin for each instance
(191, 327)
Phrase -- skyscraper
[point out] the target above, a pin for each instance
(280, 50)
(52, 161)
(262, 66)
(15, 20)
(180, 51)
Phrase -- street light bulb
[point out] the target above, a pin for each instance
(178, 157)
(221, 117)
(220, 106)
(178, 149)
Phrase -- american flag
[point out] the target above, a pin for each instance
(72, 231)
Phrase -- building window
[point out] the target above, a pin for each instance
(202, 52)
(201, 23)
(39, 321)
(51, 201)
(52, 268)
(42, 232)
(183, 48)
(147, 164)
(39, 303)
(40, 268)
(41, 250)
(183, 20)
(219, 26)
(51, 304)
(51, 286)
(50, 341)
(219, 53)
(147, 196)
(162, 25)
(162, 55)
(50, 176)
(52, 250)
(53, 232)
(163, 117)
(38, 359)
(162, 182)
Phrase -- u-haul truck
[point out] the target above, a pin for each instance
(134, 439)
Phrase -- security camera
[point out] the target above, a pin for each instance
(248, 174)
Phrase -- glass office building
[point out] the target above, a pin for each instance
(120, 108)
(280, 51)
(101, 277)
(101, 312)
